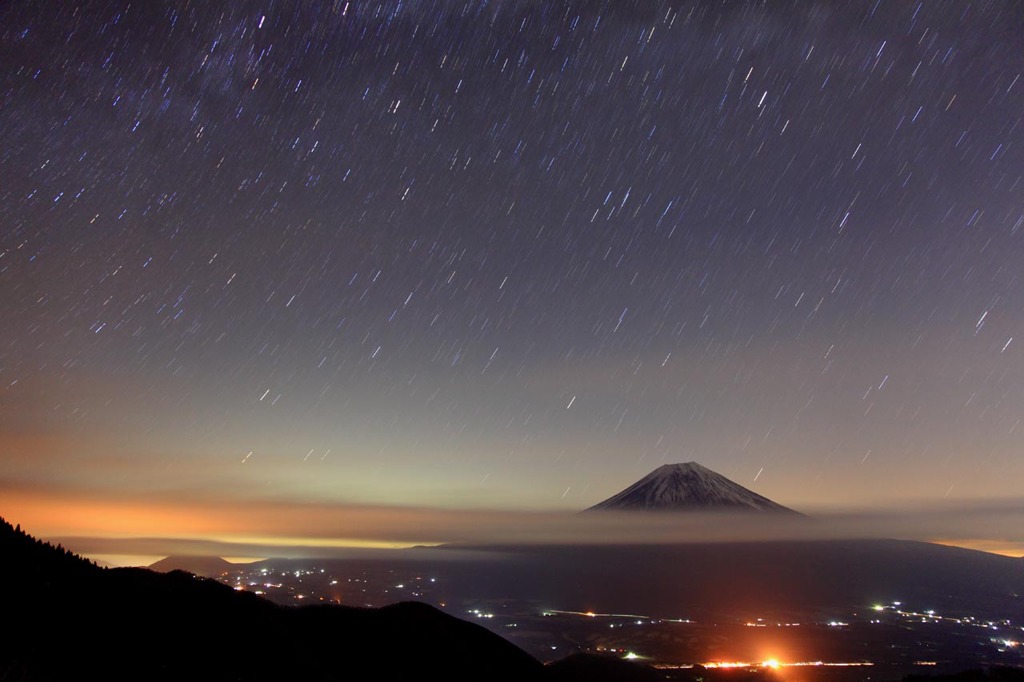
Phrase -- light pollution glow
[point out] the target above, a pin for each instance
(279, 528)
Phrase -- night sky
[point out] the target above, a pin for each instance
(504, 255)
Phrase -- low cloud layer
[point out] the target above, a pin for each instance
(284, 529)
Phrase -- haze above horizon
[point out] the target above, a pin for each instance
(307, 273)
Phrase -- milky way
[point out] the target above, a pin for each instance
(510, 254)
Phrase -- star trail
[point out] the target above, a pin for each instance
(507, 255)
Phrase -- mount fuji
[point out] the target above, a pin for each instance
(688, 487)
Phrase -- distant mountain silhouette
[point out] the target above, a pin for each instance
(688, 487)
(205, 566)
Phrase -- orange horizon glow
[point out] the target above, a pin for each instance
(280, 524)
(990, 546)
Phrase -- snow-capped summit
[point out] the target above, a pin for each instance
(688, 487)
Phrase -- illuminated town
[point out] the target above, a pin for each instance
(891, 639)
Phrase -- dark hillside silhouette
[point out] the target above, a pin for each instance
(69, 619)
(66, 618)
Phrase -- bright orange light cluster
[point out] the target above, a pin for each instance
(772, 663)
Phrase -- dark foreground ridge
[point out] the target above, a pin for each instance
(689, 487)
(70, 619)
